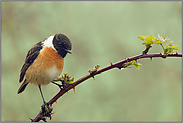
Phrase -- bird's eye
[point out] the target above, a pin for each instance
(59, 43)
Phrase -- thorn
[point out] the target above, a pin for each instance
(92, 73)
(111, 63)
(151, 58)
(74, 89)
(31, 119)
(93, 77)
(127, 59)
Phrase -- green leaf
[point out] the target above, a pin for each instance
(141, 37)
(169, 48)
(71, 81)
(138, 65)
(152, 40)
(160, 37)
(133, 63)
(147, 42)
(167, 39)
(169, 45)
(157, 42)
(149, 39)
(161, 40)
(175, 47)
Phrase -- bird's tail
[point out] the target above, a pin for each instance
(22, 87)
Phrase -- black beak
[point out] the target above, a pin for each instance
(68, 51)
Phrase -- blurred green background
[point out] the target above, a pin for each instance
(100, 32)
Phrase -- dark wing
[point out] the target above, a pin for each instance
(30, 57)
(23, 86)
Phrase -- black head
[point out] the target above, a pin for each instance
(62, 44)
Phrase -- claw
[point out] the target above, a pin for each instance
(46, 111)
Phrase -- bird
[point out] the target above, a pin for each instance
(44, 61)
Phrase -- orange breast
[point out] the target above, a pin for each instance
(46, 67)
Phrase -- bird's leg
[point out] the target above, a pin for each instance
(41, 94)
(46, 107)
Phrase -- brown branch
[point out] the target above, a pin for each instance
(116, 65)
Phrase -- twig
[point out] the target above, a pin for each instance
(116, 65)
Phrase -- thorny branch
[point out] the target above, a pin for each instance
(116, 65)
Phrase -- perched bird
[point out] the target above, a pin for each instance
(44, 61)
